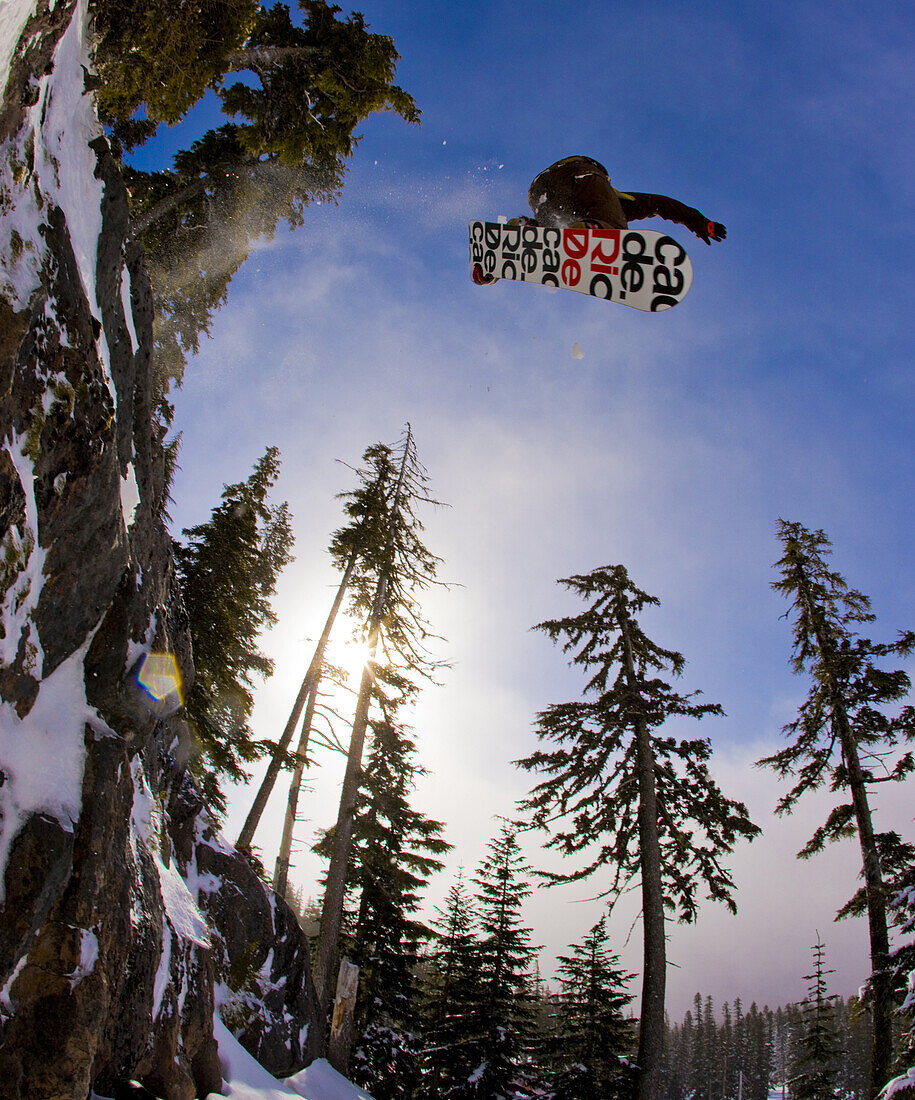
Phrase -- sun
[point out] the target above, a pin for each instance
(351, 655)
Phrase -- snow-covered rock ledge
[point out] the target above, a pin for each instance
(123, 915)
(900, 1088)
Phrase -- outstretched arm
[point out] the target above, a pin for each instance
(638, 205)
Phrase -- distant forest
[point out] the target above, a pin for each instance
(733, 1053)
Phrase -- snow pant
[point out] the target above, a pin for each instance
(576, 189)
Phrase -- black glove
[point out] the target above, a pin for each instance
(712, 231)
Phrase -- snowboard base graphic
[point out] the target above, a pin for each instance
(639, 268)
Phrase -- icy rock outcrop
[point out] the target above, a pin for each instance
(123, 917)
(269, 1000)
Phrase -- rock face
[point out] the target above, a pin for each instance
(124, 917)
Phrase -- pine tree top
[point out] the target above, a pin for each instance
(588, 800)
(849, 690)
(393, 566)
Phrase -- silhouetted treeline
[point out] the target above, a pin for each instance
(744, 1054)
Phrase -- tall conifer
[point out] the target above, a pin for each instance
(644, 804)
(354, 549)
(901, 880)
(815, 1067)
(727, 1054)
(702, 1051)
(290, 123)
(228, 570)
(387, 594)
(842, 734)
(504, 1025)
(451, 1002)
(758, 1055)
(395, 851)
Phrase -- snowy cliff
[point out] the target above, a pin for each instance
(124, 918)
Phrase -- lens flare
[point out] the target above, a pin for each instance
(160, 677)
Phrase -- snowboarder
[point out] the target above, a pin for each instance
(576, 192)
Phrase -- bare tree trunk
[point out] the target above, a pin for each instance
(343, 1021)
(335, 889)
(654, 973)
(308, 690)
(332, 909)
(281, 871)
(881, 1005)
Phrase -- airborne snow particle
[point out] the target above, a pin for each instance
(577, 353)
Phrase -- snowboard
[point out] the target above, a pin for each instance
(636, 267)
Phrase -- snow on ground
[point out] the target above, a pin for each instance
(246, 1078)
(13, 16)
(50, 155)
(22, 553)
(62, 122)
(320, 1081)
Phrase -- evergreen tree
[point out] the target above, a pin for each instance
(590, 1039)
(902, 960)
(679, 1049)
(503, 1020)
(402, 567)
(177, 51)
(709, 1084)
(395, 851)
(700, 1066)
(815, 1068)
(841, 735)
(757, 1068)
(543, 1013)
(228, 571)
(766, 1049)
(646, 801)
(290, 126)
(451, 1003)
(728, 1067)
(853, 1043)
(354, 549)
(781, 1039)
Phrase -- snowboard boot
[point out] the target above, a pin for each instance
(480, 277)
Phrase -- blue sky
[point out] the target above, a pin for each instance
(781, 386)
